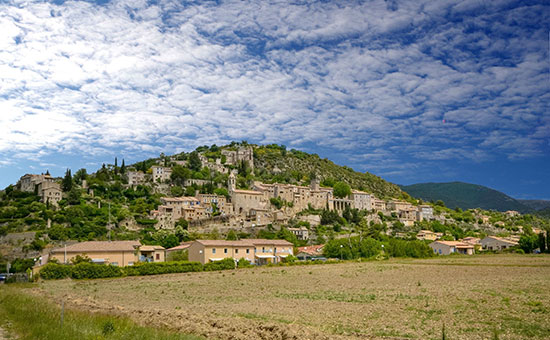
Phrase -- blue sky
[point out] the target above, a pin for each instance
(412, 91)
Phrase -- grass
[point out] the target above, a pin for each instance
(32, 317)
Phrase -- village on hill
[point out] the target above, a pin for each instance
(216, 203)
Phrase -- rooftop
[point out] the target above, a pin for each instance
(312, 250)
(457, 244)
(99, 246)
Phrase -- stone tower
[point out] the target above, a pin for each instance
(231, 183)
(314, 185)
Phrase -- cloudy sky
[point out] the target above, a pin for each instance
(413, 91)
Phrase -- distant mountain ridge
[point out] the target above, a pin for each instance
(466, 196)
(536, 204)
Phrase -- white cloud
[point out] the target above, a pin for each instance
(83, 78)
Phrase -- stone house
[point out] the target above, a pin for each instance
(428, 235)
(50, 192)
(474, 241)
(451, 247)
(256, 251)
(361, 200)
(243, 153)
(208, 201)
(301, 233)
(512, 213)
(118, 253)
(497, 243)
(160, 173)
(136, 177)
(28, 182)
(379, 205)
(397, 206)
(425, 212)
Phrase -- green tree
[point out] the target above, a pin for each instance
(231, 236)
(341, 189)
(528, 242)
(67, 182)
(176, 191)
(80, 175)
(542, 243)
(180, 174)
(123, 167)
(194, 162)
(74, 196)
(221, 192)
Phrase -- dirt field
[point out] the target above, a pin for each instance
(474, 297)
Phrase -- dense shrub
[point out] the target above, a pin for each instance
(227, 263)
(402, 248)
(54, 271)
(86, 270)
(155, 268)
(348, 249)
(244, 263)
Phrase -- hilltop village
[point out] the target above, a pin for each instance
(260, 203)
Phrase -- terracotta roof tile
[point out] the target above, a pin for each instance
(98, 246)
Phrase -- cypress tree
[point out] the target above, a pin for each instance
(67, 182)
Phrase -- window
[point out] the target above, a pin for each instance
(157, 256)
(275, 249)
(114, 263)
(225, 250)
(439, 251)
(236, 251)
(213, 250)
(263, 249)
(248, 251)
(131, 263)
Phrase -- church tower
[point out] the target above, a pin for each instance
(231, 183)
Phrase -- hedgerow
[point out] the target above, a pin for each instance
(155, 268)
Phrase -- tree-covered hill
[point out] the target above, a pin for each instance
(275, 163)
(465, 196)
(536, 204)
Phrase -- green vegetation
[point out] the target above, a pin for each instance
(341, 189)
(465, 196)
(355, 247)
(54, 271)
(297, 167)
(32, 317)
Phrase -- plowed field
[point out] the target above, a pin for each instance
(470, 297)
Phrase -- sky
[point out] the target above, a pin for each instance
(412, 91)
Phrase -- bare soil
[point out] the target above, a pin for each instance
(471, 297)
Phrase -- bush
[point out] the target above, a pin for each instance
(54, 271)
(86, 270)
(244, 263)
(227, 263)
(155, 268)
(416, 249)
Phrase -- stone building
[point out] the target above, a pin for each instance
(136, 177)
(425, 212)
(243, 153)
(28, 182)
(301, 233)
(50, 192)
(362, 200)
(160, 173)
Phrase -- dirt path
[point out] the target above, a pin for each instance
(3, 335)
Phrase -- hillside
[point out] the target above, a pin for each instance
(275, 163)
(465, 196)
(536, 204)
